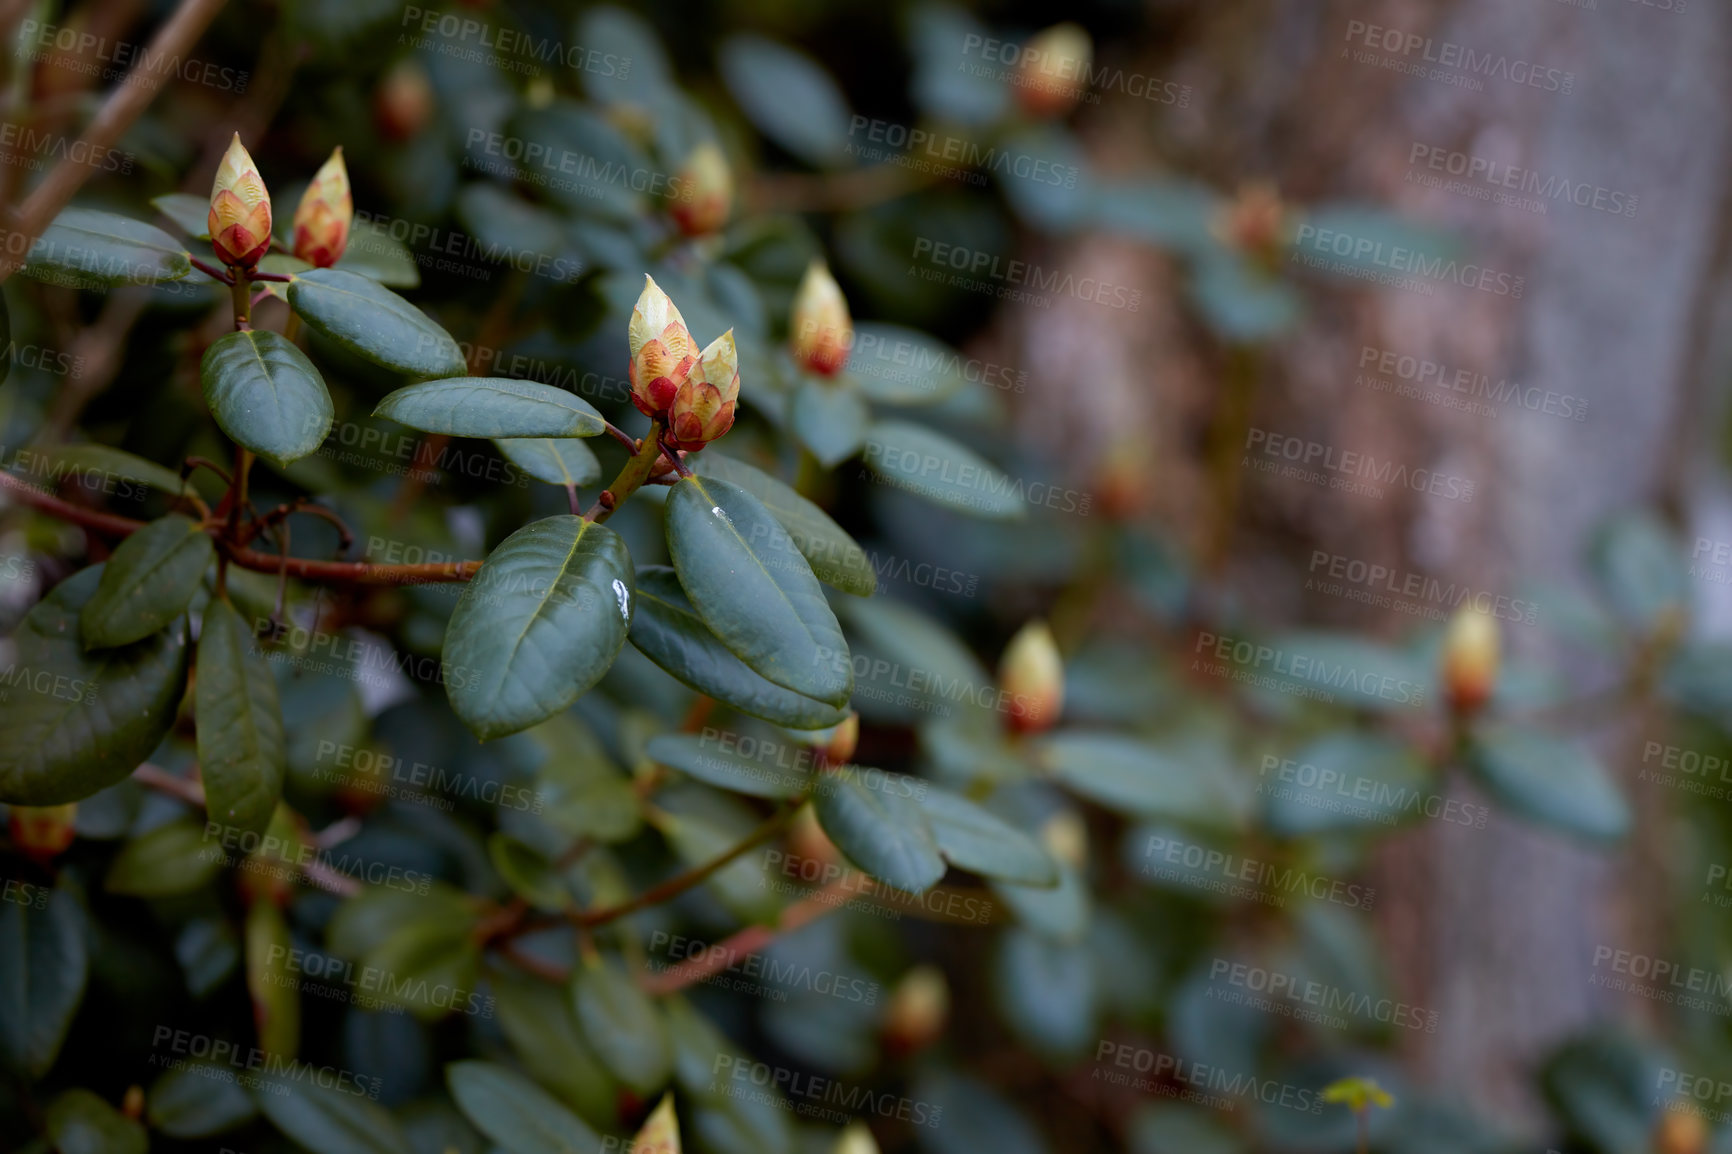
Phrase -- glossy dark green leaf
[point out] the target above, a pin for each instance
(1549, 780)
(516, 1113)
(874, 819)
(76, 721)
(932, 466)
(331, 1119)
(241, 752)
(558, 462)
(835, 558)
(170, 859)
(492, 407)
(537, 1018)
(109, 467)
(725, 1122)
(101, 248)
(775, 776)
(189, 211)
(754, 589)
(377, 255)
(702, 834)
(266, 395)
(43, 966)
(623, 1026)
(667, 630)
(896, 365)
(197, 1101)
(980, 841)
(147, 583)
(788, 96)
(530, 875)
(374, 323)
(830, 419)
(538, 625)
(1135, 778)
(81, 1123)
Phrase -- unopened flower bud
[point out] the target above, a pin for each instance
(662, 356)
(1054, 70)
(403, 102)
(705, 193)
(1066, 838)
(703, 408)
(43, 832)
(807, 840)
(844, 739)
(1255, 222)
(1122, 482)
(820, 331)
(857, 1139)
(322, 219)
(661, 1131)
(1470, 659)
(1681, 1130)
(240, 209)
(1031, 675)
(919, 1007)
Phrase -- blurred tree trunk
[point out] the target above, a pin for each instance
(1494, 928)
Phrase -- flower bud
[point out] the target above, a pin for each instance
(703, 409)
(42, 832)
(706, 192)
(1066, 838)
(1470, 659)
(132, 1102)
(857, 1139)
(240, 209)
(1255, 222)
(1031, 675)
(661, 1132)
(1680, 1130)
(919, 1007)
(403, 102)
(844, 739)
(1054, 70)
(661, 351)
(322, 219)
(820, 331)
(807, 840)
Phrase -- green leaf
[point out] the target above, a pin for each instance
(896, 365)
(104, 462)
(334, 1119)
(366, 922)
(703, 834)
(492, 407)
(705, 759)
(77, 722)
(197, 1101)
(81, 1123)
(980, 841)
(189, 211)
(788, 96)
(537, 1019)
(530, 875)
(558, 462)
(623, 1026)
(874, 819)
(830, 419)
(101, 248)
(241, 752)
(1134, 778)
(266, 394)
(1641, 567)
(514, 1112)
(1046, 990)
(538, 625)
(270, 980)
(1549, 780)
(932, 466)
(1059, 912)
(374, 253)
(170, 859)
(1346, 781)
(374, 323)
(149, 582)
(43, 966)
(835, 558)
(667, 630)
(754, 590)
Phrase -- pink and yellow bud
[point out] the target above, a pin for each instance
(240, 209)
(323, 217)
(703, 408)
(1681, 1130)
(844, 739)
(661, 1131)
(918, 1010)
(1256, 222)
(705, 194)
(1031, 675)
(820, 331)
(44, 832)
(403, 102)
(662, 356)
(1470, 659)
(857, 1139)
(1053, 72)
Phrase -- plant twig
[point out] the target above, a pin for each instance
(733, 950)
